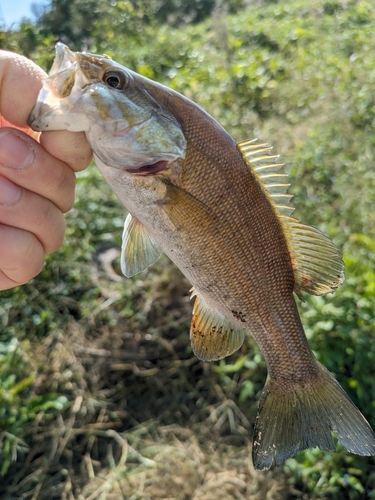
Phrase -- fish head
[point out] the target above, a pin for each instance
(125, 126)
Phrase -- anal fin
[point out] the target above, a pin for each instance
(212, 336)
(138, 250)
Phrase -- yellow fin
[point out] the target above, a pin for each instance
(318, 267)
(178, 202)
(304, 416)
(138, 249)
(212, 336)
(267, 169)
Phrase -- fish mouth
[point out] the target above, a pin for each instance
(51, 105)
(67, 68)
(152, 169)
(62, 75)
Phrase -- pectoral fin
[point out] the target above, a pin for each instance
(178, 202)
(212, 336)
(138, 249)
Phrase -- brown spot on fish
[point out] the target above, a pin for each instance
(306, 281)
(239, 315)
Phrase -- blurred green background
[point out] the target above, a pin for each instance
(100, 395)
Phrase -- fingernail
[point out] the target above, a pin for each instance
(15, 152)
(9, 193)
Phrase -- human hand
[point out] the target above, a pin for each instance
(37, 180)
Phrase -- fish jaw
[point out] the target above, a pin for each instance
(53, 109)
(126, 128)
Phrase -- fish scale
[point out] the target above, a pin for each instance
(221, 212)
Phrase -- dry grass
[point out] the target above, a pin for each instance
(164, 463)
(146, 419)
(184, 469)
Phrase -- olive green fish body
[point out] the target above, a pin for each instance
(221, 231)
(221, 212)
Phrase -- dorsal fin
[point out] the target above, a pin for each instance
(268, 170)
(138, 250)
(212, 336)
(317, 263)
(318, 267)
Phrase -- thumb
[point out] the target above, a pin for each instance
(20, 82)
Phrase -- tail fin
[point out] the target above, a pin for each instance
(304, 418)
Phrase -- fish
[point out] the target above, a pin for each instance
(221, 211)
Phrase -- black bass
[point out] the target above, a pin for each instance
(221, 212)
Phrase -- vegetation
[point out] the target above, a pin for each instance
(100, 396)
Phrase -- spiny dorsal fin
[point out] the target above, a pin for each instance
(212, 336)
(268, 171)
(138, 250)
(317, 263)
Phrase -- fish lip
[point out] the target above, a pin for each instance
(152, 169)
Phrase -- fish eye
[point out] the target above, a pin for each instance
(115, 79)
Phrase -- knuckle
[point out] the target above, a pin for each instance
(23, 257)
(59, 238)
(32, 261)
(49, 226)
(61, 186)
(56, 238)
(42, 217)
(64, 186)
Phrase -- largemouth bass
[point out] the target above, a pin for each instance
(221, 212)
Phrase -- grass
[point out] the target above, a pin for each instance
(100, 395)
(122, 435)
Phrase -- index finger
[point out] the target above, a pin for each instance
(70, 147)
